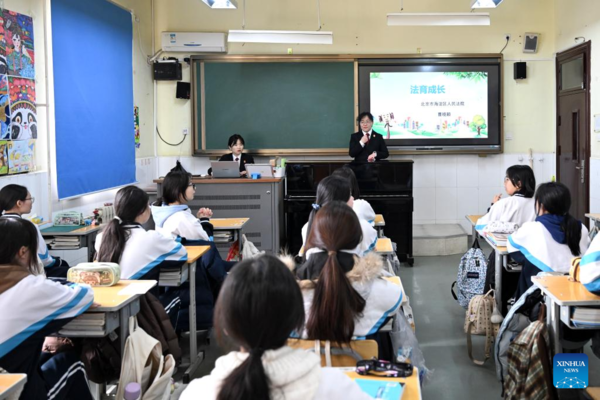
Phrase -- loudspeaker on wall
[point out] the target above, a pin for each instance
(183, 90)
(520, 70)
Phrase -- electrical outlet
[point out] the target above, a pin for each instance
(507, 36)
(185, 131)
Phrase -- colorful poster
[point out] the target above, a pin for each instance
(22, 108)
(18, 38)
(3, 157)
(136, 123)
(4, 108)
(20, 156)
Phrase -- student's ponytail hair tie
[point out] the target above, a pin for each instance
(316, 206)
(332, 252)
(118, 219)
(257, 352)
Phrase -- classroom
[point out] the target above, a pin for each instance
(176, 176)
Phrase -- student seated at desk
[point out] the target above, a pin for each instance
(15, 200)
(259, 305)
(338, 286)
(361, 207)
(236, 146)
(32, 307)
(336, 188)
(124, 241)
(173, 217)
(552, 240)
(519, 206)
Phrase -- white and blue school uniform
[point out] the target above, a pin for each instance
(589, 268)
(368, 243)
(147, 251)
(542, 243)
(363, 210)
(42, 250)
(33, 307)
(516, 208)
(178, 220)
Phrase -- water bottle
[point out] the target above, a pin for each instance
(133, 391)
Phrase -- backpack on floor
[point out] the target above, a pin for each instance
(481, 319)
(529, 372)
(470, 280)
(520, 316)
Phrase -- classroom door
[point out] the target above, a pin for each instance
(573, 125)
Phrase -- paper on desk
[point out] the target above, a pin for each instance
(137, 288)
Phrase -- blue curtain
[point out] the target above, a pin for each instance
(93, 93)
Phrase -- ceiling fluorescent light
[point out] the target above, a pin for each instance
(438, 19)
(221, 4)
(300, 37)
(485, 3)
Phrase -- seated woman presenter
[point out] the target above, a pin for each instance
(366, 145)
(236, 145)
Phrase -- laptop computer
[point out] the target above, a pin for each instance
(265, 170)
(225, 169)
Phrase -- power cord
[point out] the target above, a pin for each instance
(507, 40)
(170, 144)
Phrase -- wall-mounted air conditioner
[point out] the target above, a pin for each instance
(193, 42)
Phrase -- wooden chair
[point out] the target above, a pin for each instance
(338, 356)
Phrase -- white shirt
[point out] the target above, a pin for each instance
(370, 133)
(363, 210)
(146, 250)
(185, 225)
(535, 242)
(35, 301)
(590, 267)
(294, 374)
(239, 158)
(517, 209)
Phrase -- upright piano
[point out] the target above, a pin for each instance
(386, 185)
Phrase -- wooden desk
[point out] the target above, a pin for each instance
(194, 254)
(562, 295)
(379, 223)
(11, 384)
(231, 224)
(86, 235)
(384, 246)
(412, 388)
(473, 220)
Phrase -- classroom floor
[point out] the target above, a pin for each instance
(439, 326)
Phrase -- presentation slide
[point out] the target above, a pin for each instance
(430, 105)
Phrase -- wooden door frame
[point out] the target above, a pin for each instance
(585, 49)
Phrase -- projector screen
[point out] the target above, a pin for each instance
(433, 107)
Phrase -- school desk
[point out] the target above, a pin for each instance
(379, 224)
(562, 297)
(11, 384)
(194, 254)
(500, 259)
(85, 234)
(412, 388)
(260, 200)
(235, 225)
(384, 246)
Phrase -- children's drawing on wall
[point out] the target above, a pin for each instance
(3, 62)
(3, 157)
(136, 124)
(18, 36)
(20, 156)
(22, 108)
(4, 108)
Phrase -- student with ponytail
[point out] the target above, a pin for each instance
(344, 296)
(361, 207)
(552, 240)
(337, 188)
(124, 241)
(259, 306)
(15, 200)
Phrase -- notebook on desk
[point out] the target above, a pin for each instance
(381, 389)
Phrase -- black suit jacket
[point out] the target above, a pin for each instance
(361, 154)
(246, 159)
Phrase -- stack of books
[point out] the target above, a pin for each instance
(584, 317)
(87, 322)
(222, 236)
(499, 239)
(65, 243)
(172, 277)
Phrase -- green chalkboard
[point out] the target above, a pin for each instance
(277, 105)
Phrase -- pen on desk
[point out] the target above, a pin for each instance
(380, 392)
